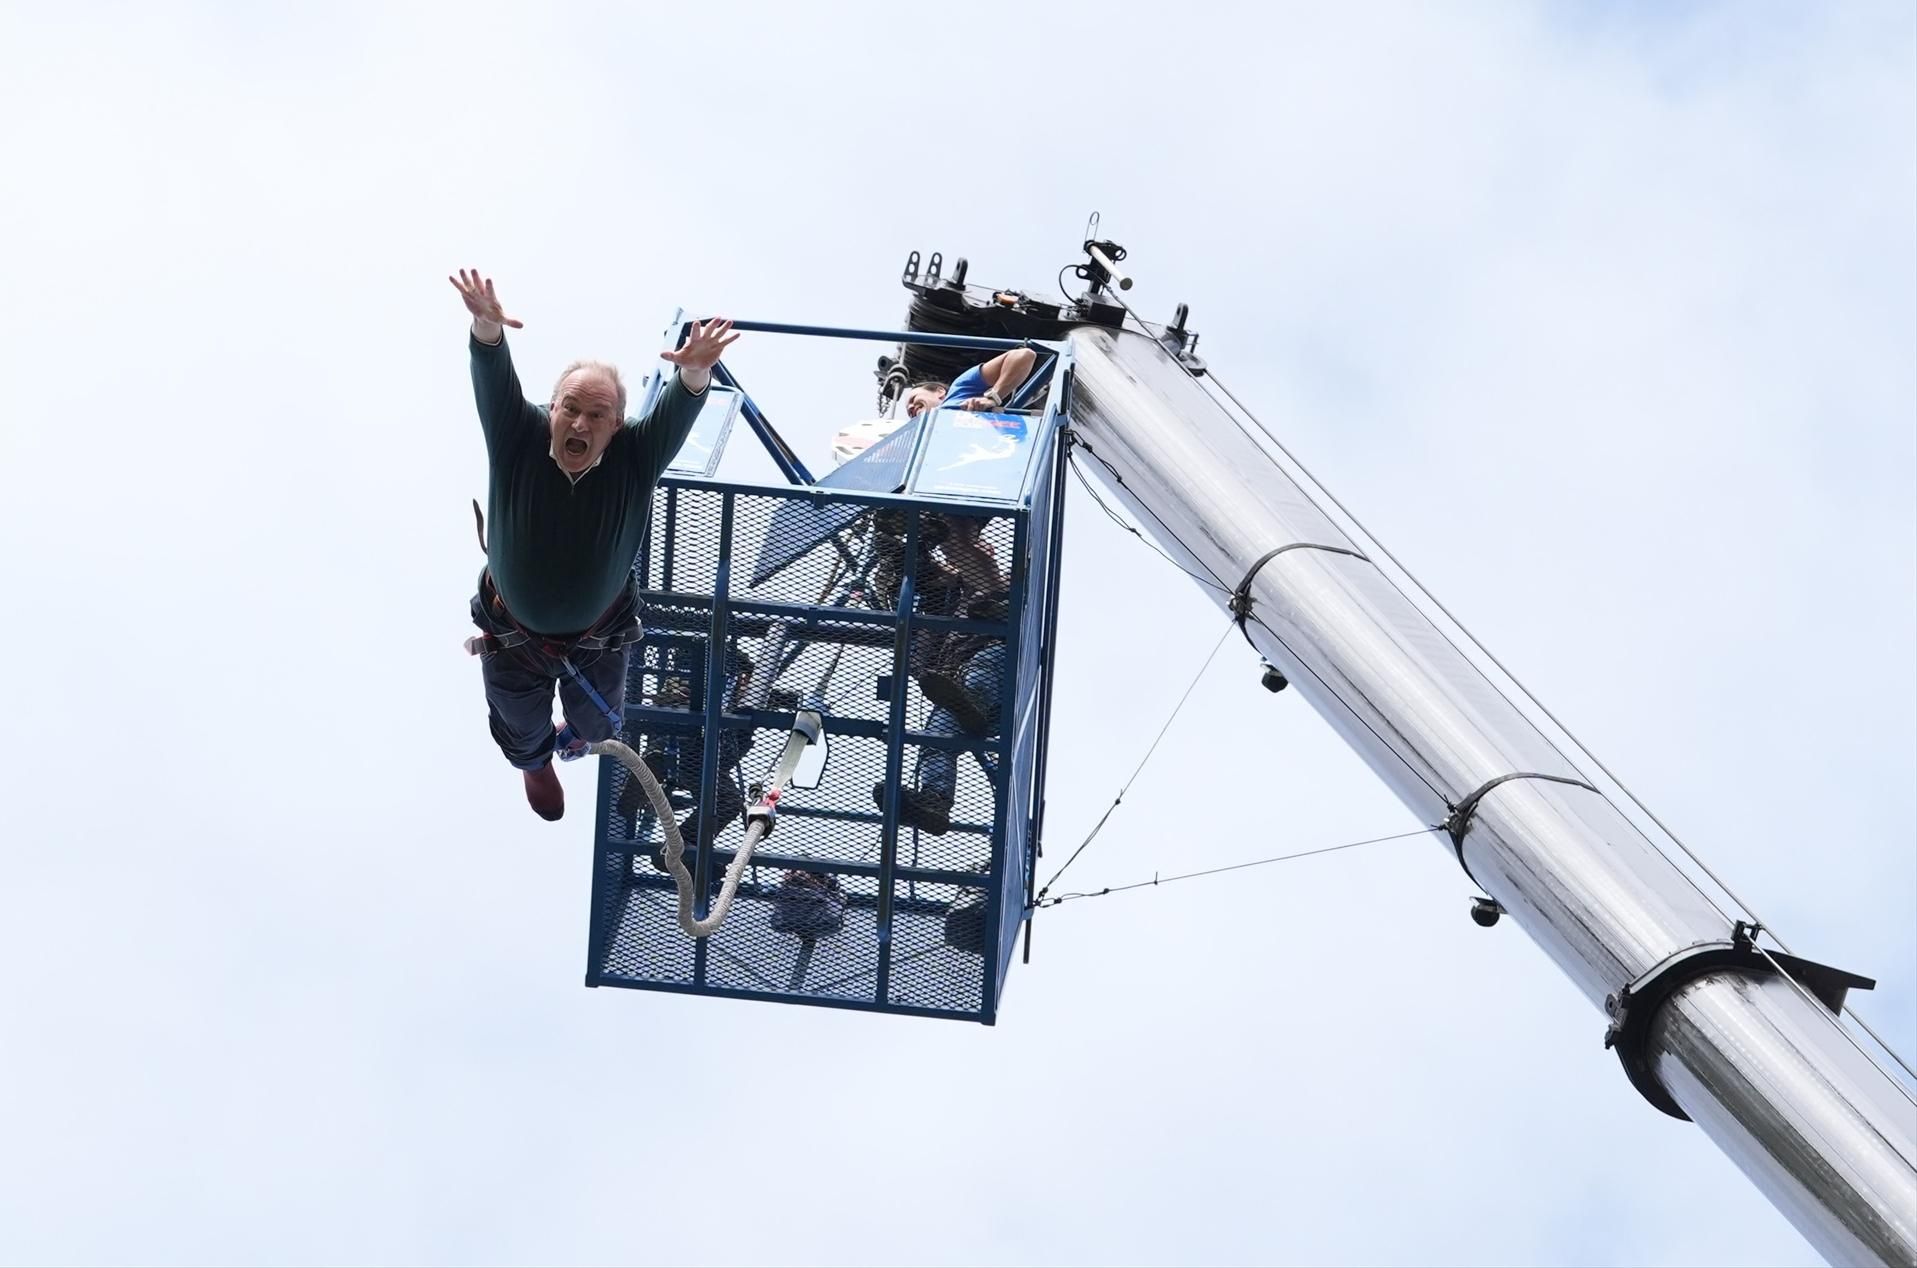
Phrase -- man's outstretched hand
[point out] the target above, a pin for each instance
(489, 319)
(703, 347)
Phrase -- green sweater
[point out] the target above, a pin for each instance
(560, 552)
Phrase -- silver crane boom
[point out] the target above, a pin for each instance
(1705, 1024)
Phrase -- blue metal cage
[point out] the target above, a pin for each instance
(763, 600)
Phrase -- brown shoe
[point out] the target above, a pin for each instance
(544, 793)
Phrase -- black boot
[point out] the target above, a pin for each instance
(928, 812)
(949, 694)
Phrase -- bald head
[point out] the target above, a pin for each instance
(603, 370)
(588, 409)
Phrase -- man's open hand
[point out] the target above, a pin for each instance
(705, 344)
(489, 319)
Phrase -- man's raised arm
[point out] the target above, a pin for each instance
(495, 384)
(669, 421)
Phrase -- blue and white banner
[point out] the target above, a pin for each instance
(981, 456)
(706, 442)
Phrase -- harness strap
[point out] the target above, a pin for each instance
(517, 635)
(599, 702)
(593, 640)
(486, 644)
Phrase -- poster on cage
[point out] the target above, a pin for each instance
(706, 442)
(981, 456)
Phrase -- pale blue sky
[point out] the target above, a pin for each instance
(1603, 318)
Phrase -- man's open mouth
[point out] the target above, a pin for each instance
(575, 447)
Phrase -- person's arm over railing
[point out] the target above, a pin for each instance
(1006, 373)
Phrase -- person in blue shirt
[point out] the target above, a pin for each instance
(983, 387)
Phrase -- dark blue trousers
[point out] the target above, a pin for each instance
(520, 681)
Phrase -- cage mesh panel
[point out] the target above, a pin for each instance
(683, 540)
(644, 943)
(1036, 566)
(834, 565)
(804, 829)
(826, 561)
(749, 954)
(840, 661)
(671, 672)
(966, 845)
(926, 971)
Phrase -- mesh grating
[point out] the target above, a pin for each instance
(926, 967)
(935, 962)
(681, 553)
(806, 590)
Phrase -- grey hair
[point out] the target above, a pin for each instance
(606, 368)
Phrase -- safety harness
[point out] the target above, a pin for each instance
(610, 632)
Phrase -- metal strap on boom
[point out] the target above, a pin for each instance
(1633, 1007)
(806, 728)
(1239, 604)
(1461, 814)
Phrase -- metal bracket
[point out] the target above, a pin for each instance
(1183, 344)
(1174, 335)
(1239, 605)
(1459, 822)
(1633, 1007)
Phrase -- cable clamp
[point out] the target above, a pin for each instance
(765, 809)
(1239, 604)
(1634, 1007)
(1459, 822)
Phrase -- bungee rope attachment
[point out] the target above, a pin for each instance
(807, 726)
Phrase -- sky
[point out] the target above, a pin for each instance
(1603, 317)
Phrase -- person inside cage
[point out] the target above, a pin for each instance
(963, 680)
(962, 674)
(958, 574)
(986, 387)
(983, 388)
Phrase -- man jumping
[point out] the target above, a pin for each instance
(569, 493)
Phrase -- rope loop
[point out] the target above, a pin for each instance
(676, 846)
